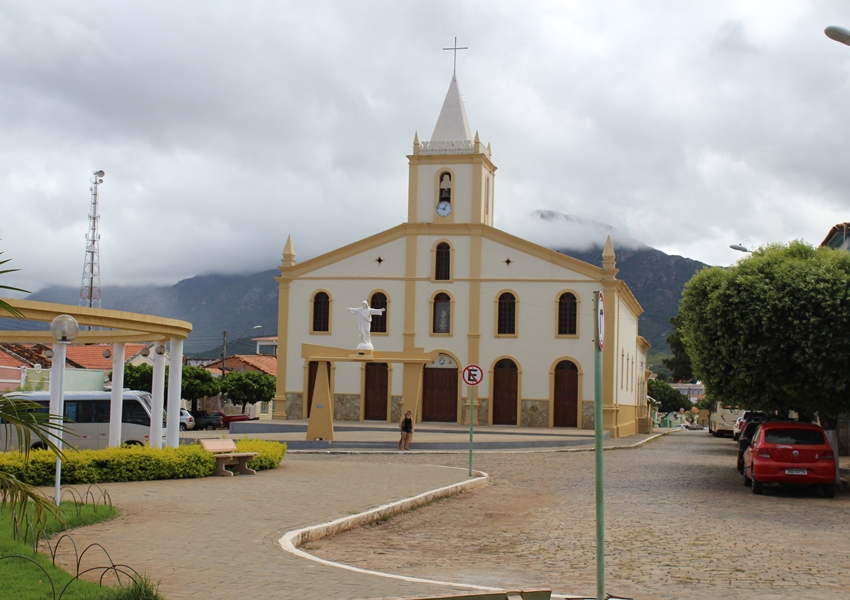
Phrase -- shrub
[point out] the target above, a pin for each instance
(128, 463)
(271, 453)
(132, 463)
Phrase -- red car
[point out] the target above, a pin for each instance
(228, 419)
(790, 452)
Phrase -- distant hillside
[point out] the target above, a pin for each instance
(655, 278)
(212, 303)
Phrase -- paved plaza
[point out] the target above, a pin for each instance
(679, 524)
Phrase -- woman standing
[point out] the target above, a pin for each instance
(406, 426)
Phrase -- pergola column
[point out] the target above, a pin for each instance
(157, 393)
(116, 413)
(175, 388)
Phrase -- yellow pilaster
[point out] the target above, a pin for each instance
(409, 332)
(411, 390)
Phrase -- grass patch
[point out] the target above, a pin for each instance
(31, 579)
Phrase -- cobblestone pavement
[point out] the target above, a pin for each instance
(217, 538)
(679, 524)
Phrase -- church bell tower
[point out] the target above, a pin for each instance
(451, 175)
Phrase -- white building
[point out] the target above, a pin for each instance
(455, 286)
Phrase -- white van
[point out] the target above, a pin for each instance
(87, 418)
(723, 419)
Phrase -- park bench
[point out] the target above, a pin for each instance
(224, 452)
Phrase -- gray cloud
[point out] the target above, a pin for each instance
(225, 127)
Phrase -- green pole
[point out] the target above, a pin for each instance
(471, 421)
(600, 481)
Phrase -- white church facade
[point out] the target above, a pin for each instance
(458, 289)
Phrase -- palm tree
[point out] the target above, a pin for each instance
(19, 416)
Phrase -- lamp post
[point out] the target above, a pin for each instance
(64, 329)
(224, 346)
(839, 34)
(739, 248)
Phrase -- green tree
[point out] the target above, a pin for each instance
(670, 398)
(680, 363)
(770, 332)
(138, 377)
(197, 384)
(248, 388)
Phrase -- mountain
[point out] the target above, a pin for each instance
(655, 278)
(212, 303)
(237, 303)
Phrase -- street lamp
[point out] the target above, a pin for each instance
(839, 34)
(740, 248)
(64, 329)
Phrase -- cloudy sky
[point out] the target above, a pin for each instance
(225, 126)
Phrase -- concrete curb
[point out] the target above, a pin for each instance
(293, 540)
(591, 448)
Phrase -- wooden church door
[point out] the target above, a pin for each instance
(377, 380)
(566, 395)
(439, 390)
(505, 383)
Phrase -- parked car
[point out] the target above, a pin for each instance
(204, 420)
(228, 419)
(790, 452)
(742, 421)
(744, 442)
(187, 421)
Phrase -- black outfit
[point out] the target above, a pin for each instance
(407, 425)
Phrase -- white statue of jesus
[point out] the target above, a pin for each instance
(364, 324)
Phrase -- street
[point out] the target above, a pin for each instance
(679, 524)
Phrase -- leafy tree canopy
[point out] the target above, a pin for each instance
(670, 398)
(248, 387)
(680, 363)
(138, 377)
(770, 332)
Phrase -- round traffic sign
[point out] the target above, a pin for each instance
(600, 321)
(472, 375)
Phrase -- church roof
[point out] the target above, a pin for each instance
(452, 125)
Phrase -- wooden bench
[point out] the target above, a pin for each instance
(224, 452)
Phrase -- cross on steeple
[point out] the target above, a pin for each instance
(455, 49)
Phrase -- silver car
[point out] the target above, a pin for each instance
(187, 421)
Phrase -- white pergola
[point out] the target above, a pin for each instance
(117, 328)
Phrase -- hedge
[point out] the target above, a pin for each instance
(132, 463)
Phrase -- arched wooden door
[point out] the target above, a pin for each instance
(439, 390)
(377, 378)
(505, 383)
(566, 395)
(311, 383)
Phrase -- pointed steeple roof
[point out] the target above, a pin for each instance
(452, 125)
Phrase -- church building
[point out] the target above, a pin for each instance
(463, 292)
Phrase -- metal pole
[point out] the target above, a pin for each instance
(57, 397)
(600, 481)
(471, 421)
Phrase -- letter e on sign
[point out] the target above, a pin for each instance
(472, 375)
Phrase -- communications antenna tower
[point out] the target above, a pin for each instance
(90, 288)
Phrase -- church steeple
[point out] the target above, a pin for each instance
(452, 124)
(451, 175)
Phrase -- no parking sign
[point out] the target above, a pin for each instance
(472, 375)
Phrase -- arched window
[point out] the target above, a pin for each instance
(567, 314)
(507, 314)
(445, 187)
(321, 312)
(379, 322)
(443, 262)
(442, 313)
